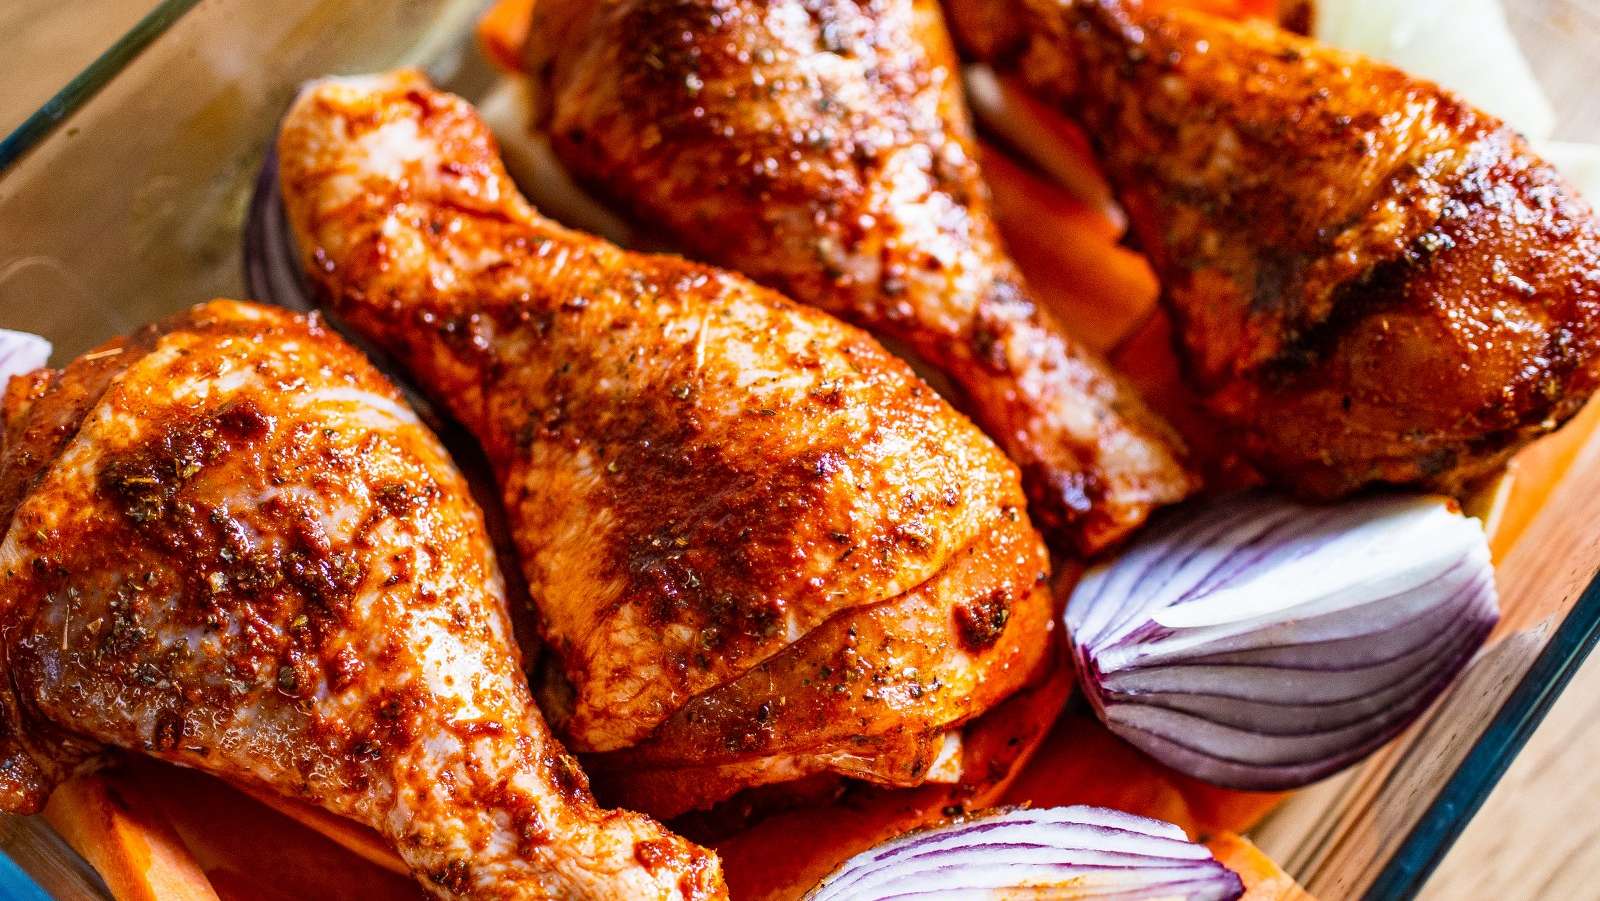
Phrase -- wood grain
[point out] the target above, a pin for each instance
(57, 40)
(1538, 837)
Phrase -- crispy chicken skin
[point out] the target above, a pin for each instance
(822, 147)
(232, 546)
(759, 545)
(1373, 282)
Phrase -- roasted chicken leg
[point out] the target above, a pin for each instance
(761, 547)
(1372, 281)
(231, 546)
(823, 148)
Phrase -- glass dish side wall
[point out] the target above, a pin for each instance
(130, 207)
(1378, 831)
(122, 199)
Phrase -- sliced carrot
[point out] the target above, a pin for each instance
(1054, 144)
(1218, 810)
(1227, 8)
(1534, 475)
(1025, 189)
(1263, 879)
(1489, 502)
(503, 30)
(251, 852)
(784, 855)
(353, 837)
(1147, 359)
(1099, 290)
(113, 826)
(1232, 9)
(1295, 15)
(1083, 763)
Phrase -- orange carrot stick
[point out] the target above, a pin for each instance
(1219, 810)
(784, 855)
(1081, 762)
(1098, 289)
(1271, 10)
(251, 852)
(1534, 475)
(1263, 879)
(353, 837)
(1047, 139)
(1147, 359)
(503, 30)
(110, 823)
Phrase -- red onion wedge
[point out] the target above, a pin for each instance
(1262, 644)
(21, 353)
(272, 272)
(1061, 853)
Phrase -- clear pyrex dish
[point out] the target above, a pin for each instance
(123, 197)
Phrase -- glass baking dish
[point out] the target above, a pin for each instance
(122, 199)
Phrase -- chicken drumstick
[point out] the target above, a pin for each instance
(1372, 281)
(232, 546)
(761, 547)
(823, 148)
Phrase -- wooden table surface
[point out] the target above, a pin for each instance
(1537, 837)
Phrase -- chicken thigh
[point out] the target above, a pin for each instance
(230, 545)
(1372, 281)
(822, 147)
(759, 545)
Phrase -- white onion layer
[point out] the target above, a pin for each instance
(21, 353)
(1465, 45)
(1258, 643)
(1060, 853)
